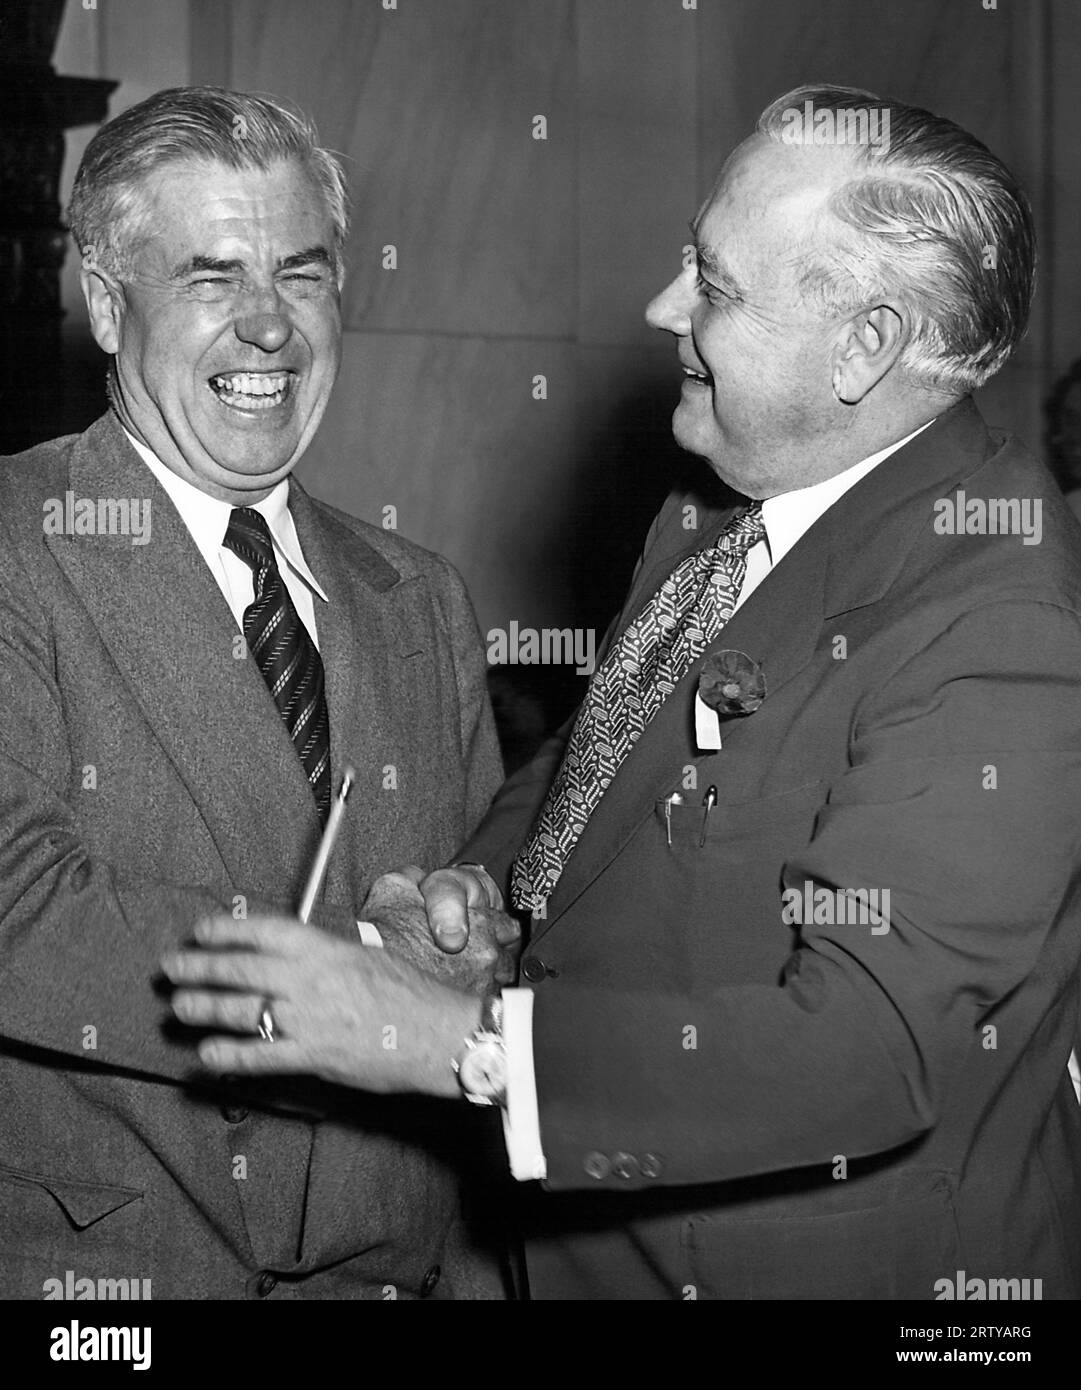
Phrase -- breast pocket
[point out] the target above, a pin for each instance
(742, 828)
(723, 868)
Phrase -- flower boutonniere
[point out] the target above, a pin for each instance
(732, 683)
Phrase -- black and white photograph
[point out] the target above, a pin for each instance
(540, 671)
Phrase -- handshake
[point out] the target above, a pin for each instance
(450, 923)
(280, 997)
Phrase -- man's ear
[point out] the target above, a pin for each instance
(105, 305)
(868, 346)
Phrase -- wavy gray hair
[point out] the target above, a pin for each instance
(932, 218)
(108, 208)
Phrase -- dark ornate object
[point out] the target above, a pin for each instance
(732, 682)
(36, 106)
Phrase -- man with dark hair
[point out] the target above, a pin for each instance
(180, 698)
(801, 984)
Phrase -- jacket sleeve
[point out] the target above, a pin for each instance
(963, 798)
(481, 759)
(80, 938)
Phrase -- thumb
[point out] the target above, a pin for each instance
(447, 905)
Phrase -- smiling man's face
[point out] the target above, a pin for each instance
(227, 331)
(757, 399)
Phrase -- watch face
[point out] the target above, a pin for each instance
(483, 1071)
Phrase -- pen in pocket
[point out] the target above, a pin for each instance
(708, 802)
(669, 801)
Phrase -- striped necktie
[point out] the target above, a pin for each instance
(641, 670)
(284, 652)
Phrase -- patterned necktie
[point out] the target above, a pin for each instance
(640, 671)
(284, 652)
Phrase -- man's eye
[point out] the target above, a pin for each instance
(712, 292)
(298, 275)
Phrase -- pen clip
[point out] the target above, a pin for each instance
(708, 802)
(669, 801)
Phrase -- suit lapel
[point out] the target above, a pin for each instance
(778, 626)
(169, 630)
(368, 633)
(831, 570)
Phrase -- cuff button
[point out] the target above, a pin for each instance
(534, 969)
(597, 1165)
(625, 1166)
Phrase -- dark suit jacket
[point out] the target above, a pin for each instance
(733, 1106)
(146, 778)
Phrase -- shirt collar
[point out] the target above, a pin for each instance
(207, 518)
(789, 515)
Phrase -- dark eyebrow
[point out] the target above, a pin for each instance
(314, 255)
(197, 263)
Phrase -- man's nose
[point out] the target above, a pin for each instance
(671, 309)
(263, 324)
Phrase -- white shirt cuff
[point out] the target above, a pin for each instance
(369, 934)
(521, 1118)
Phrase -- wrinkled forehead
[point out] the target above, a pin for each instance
(769, 194)
(193, 200)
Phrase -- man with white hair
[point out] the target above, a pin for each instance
(803, 872)
(178, 707)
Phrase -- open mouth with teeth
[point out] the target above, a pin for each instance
(252, 390)
(702, 378)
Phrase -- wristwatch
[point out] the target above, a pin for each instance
(482, 1067)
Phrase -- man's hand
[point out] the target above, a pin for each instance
(449, 923)
(347, 1013)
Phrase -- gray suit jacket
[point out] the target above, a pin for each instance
(146, 778)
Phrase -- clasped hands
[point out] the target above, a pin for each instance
(381, 1020)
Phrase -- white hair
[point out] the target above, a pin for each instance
(929, 217)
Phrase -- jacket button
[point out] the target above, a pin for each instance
(625, 1166)
(266, 1283)
(597, 1165)
(428, 1283)
(534, 969)
(651, 1165)
(234, 1114)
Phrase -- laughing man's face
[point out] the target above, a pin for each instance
(227, 331)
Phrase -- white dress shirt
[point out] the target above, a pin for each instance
(207, 520)
(785, 518)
